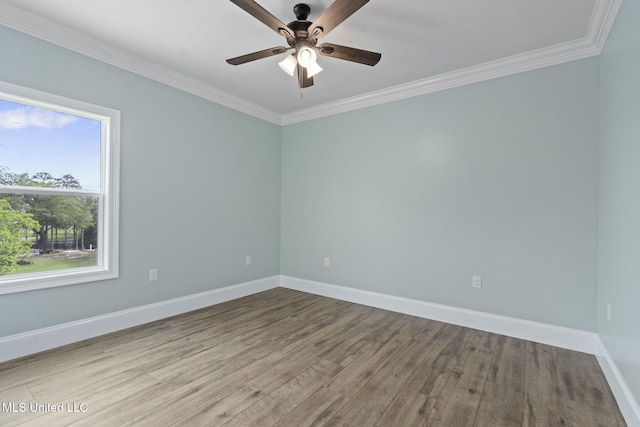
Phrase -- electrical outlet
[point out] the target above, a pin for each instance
(327, 261)
(153, 274)
(476, 281)
(247, 260)
(608, 312)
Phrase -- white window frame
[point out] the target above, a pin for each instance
(108, 194)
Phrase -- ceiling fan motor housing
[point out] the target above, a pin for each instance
(300, 28)
(301, 25)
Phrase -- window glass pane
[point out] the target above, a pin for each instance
(47, 232)
(40, 147)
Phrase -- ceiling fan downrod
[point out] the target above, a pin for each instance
(301, 11)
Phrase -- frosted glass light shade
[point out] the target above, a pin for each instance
(288, 64)
(313, 69)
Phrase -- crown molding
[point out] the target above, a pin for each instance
(43, 29)
(604, 14)
(602, 19)
(490, 70)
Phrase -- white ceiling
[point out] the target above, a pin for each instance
(425, 45)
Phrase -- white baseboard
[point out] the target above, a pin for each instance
(626, 401)
(31, 342)
(23, 344)
(571, 339)
(557, 336)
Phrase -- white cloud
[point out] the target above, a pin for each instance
(21, 117)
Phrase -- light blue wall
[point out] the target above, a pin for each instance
(200, 188)
(412, 198)
(503, 179)
(619, 240)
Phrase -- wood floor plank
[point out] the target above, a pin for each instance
(106, 400)
(316, 410)
(286, 358)
(544, 398)
(585, 398)
(227, 399)
(459, 399)
(327, 401)
(167, 393)
(502, 400)
(301, 353)
(442, 362)
(281, 401)
(411, 405)
(369, 402)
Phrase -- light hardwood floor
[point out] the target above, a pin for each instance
(286, 358)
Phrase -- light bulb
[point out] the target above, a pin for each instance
(306, 56)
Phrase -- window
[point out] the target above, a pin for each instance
(59, 167)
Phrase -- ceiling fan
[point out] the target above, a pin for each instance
(303, 36)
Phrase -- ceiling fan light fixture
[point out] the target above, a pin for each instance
(313, 69)
(302, 36)
(288, 64)
(307, 56)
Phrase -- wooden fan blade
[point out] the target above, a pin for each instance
(349, 54)
(257, 55)
(333, 16)
(303, 79)
(262, 15)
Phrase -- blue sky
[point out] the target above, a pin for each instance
(36, 140)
